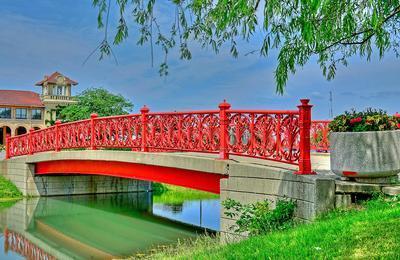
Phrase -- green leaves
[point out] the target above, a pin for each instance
(368, 120)
(332, 30)
(258, 218)
(95, 100)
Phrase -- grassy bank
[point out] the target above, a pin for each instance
(8, 191)
(164, 193)
(369, 231)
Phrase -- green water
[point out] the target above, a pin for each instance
(103, 226)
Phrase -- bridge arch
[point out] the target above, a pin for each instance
(201, 173)
(185, 178)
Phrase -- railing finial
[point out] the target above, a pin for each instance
(224, 105)
(304, 101)
(144, 109)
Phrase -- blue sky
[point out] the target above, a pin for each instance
(42, 36)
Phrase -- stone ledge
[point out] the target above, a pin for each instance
(355, 187)
(391, 190)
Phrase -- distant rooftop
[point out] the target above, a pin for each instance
(20, 98)
(53, 78)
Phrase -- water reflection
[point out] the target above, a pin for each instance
(19, 244)
(99, 226)
(201, 213)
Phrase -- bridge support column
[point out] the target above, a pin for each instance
(92, 132)
(223, 135)
(57, 141)
(305, 132)
(30, 146)
(8, 138)
(144, 110)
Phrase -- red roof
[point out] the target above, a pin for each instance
(53, 79)
(20, 98)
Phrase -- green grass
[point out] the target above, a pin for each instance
(8, 191)
(169, 194)
(371, 231)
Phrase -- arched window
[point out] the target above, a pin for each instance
(4, 130)
(20, 130)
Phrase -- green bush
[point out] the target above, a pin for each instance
(258, 218)
(8, 190)
(367, 120)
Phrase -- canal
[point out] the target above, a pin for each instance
(104, 226)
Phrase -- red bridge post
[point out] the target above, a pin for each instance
(305, 132)
(57, 141)
(30, 145)
(144, 110)
(92, 133)
(8, 138)
(223, 134)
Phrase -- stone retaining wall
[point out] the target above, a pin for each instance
(250, 183)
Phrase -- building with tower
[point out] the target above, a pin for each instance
(23, 110)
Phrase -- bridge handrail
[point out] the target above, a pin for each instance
(279, 135)
(255, 111)
(320, 135)
(198, 112)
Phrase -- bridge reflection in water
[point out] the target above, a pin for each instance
(102, 226)
(18, 243)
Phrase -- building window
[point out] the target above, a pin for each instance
(59, 91)
(36, 114)
(5, 112)
(20, 113)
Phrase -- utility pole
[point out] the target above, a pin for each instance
(330, 104)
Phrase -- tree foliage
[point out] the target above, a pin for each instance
(95, 100)
(331, 30)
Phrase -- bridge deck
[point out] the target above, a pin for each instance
(320, 161)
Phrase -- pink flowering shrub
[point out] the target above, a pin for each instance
(367, 120)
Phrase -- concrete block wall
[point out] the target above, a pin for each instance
(82, 184)
(17, 171)
(251, 183)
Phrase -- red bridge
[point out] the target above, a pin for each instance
(284, 136)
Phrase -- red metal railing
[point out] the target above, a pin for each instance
(320, 135)
(17, 243)
(282, 136)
